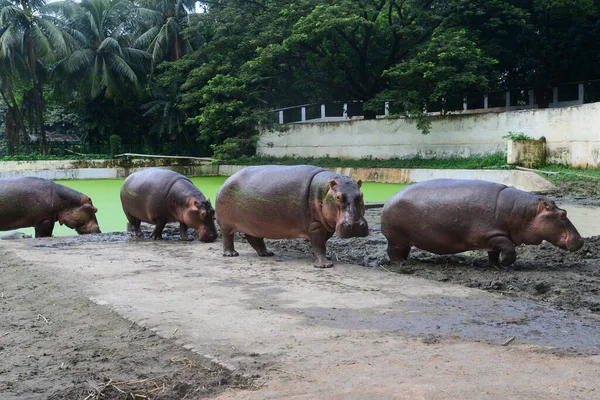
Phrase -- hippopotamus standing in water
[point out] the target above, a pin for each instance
(447, 216)
(284, 202)
(40, 203)
(159, 196)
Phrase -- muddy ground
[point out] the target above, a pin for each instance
(56, 344)
(86, 351)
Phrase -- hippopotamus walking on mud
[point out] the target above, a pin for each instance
(159, 196)
(447, 216)
(40, 203)
(284, 202)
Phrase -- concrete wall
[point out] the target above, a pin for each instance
(572, 134)
(523, 180)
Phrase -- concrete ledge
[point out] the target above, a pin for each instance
(115, 169)
(523, 180)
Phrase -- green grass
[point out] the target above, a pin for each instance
(488, 161)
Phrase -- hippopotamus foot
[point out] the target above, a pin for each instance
(398, 253)
(326, 264)
(228, 250)
(504, 253)
(259, 245)
(230, 253)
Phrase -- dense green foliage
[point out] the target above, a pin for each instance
(170, 80)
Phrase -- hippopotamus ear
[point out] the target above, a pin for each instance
(359, 182)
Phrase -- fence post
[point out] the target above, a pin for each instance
(345, 111)
(507, 100)
(386, 110)
(555, 95)
(281, 117)
(485, 101)
(531, 98)
(465, 103)
(303, 114)
(323, 111)
(581, 93)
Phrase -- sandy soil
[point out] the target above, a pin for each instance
(110, 317)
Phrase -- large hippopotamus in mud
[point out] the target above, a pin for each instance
(40, 203)
(284, 202)
(447, 216)
(158, 196)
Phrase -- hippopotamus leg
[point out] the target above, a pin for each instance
(134, 225)
(228, 250)
(158, 229)
(398, 252)
(44, 229)
(502, 246)
(318, 238)
(259, 245)
(398, 246)
(183, 232)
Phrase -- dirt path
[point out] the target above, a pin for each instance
(293, 331)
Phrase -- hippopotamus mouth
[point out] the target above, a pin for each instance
(570, 244)
(357, 229)
(84, 230)
(205, 236)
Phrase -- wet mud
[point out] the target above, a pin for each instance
(567, 281)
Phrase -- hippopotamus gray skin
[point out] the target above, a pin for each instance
(159, 196)
(40, 203)
(447, 216)
(284, 202)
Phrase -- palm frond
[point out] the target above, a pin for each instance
(121, 68)
(145, 38)
(9, 41)
(110, 45)
(57, 38)
(40, 42)
(79, 60)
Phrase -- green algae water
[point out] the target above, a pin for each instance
(105, 196)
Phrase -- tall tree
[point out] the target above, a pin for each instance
(163, 37)
(104, 64)
(25, 22)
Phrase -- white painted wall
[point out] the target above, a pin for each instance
(572, 134)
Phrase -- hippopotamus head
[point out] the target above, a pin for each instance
(200, 215)
(344, 208)
(551, 224)
(81, 217)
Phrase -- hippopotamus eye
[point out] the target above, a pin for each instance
(562, 215)
(339, 197)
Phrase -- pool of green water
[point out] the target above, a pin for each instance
(105, 196)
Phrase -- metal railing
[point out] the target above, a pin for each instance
(562, 95)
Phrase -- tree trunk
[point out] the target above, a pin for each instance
(12, 130)
(38, 94)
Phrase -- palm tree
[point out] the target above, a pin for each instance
(104, 64)
(25, 26)
(162, 37)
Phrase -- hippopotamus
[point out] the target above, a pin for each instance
(158, 196)
(39, 203)
(448, 216)
(284, 202)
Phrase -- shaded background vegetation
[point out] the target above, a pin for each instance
(196, 78)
